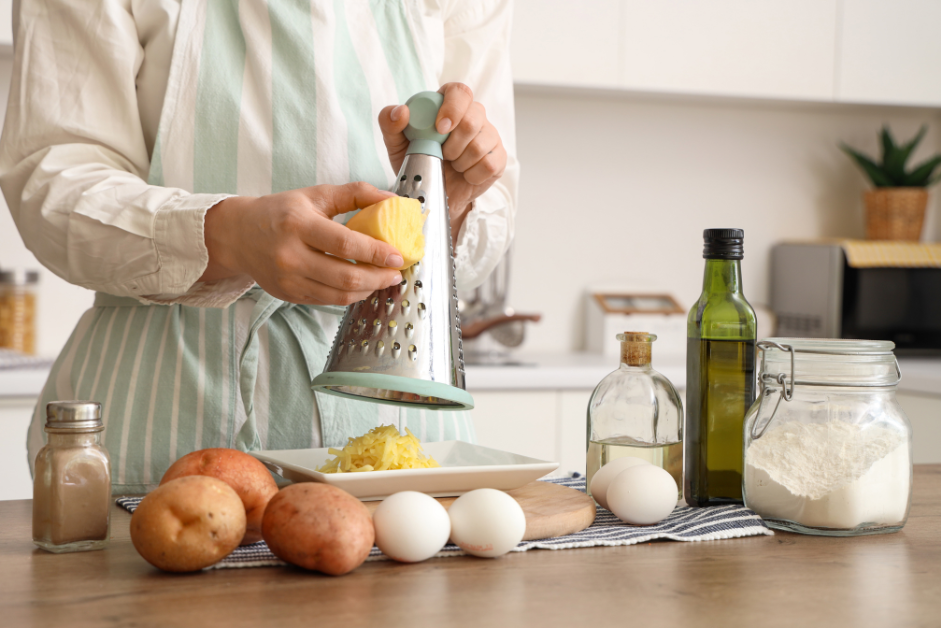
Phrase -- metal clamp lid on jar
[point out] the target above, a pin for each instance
(787, 392)
(18, 277)
(74, 416)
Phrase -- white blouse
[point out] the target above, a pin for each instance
(85, 105)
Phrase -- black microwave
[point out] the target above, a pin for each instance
(817, 293)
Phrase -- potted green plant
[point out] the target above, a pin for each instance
(895, 209)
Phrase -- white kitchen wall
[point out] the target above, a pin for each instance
(616, 190)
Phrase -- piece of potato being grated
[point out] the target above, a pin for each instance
(380, 449)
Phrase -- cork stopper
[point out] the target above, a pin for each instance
(635, 347)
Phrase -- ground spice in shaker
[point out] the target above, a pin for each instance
(72, 482)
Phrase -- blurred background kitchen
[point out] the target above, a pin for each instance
(639, 124)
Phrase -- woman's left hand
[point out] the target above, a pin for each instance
(474, 153)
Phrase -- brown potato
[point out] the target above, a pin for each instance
(247, 475)
(188, 524)
(319, 527)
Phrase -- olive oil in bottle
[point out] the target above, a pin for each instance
(720, 374)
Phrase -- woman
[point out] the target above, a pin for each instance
(186, 158)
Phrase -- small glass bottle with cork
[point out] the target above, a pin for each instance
(72, 482)
(635, 411)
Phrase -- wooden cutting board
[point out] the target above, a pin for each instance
(551, 510)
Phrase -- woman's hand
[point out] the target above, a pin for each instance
(289, 244)
(474, 153)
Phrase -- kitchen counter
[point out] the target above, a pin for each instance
(548, 371)
(783, 580)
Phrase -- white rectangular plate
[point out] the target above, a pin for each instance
(464, 467)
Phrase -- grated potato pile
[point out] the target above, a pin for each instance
(380, 449)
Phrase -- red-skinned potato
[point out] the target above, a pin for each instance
(247, 475)
(188, 524)
(318, 527)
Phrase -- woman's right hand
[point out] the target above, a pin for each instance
(290, 245)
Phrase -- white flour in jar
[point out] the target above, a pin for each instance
(829, 475)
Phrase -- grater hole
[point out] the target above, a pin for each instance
(389, 301)
(396, 346)
(417, 178)
(404, 177)
(405, 303)
(421, 199)
(421, 310)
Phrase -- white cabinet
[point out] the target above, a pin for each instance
(522, 421)
(15, 415)
(890, 52)
(544, 424)
(560, 42)
(770, 49)
(856, 51)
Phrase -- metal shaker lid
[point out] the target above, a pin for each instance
(74, 415)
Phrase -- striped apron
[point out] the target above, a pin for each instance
(262, 97)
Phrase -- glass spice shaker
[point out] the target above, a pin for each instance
(635, 411)
(72, 481)
(18, 310)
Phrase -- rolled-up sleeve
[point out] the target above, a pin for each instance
(74, 162)
(476, 52)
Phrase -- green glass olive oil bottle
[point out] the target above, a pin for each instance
(720, 374)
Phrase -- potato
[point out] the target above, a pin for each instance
(188, 524)
(319, 527)
(247, 475)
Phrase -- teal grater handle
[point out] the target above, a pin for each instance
(424, 139)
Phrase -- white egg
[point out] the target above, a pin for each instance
(486, 522)
(642, 495)
(602, 478)
(411, 527)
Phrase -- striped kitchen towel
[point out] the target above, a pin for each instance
(685, 524)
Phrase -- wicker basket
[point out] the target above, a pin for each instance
(895, 213)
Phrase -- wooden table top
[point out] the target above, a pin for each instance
(783, 580)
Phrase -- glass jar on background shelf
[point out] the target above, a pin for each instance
(828, 449)
(635, 411)
(18, 310)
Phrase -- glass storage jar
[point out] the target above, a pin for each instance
(635, 411)
(827, 448)
(18, 310)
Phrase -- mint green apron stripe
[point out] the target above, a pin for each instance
(109, 355)
(79, 368)
(218, 100)
(155, 176)
(160, 424)
(119, 459)
(353, 94)
(95, 348)
(293, 96)
(233, 378)
(289, 408)
(115, 400)
(106, 355)
(187, 386)
(398, 46)
(145, 398)
(214, 414)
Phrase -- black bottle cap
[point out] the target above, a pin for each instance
(723, 244)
